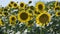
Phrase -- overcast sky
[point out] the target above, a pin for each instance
(5, 2)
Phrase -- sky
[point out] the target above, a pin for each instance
(6, 2)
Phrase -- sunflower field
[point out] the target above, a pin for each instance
(43, 18)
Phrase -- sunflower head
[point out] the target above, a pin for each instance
(12, 4)
(1, 13)
(22, 5)
(23, 16)
(6, 9)
(15, 5)
(57, 8)
(32, 7)
(57, 13)
(5, 13)
(56, 3)
(40, 6)
(9, 6)
(31, 12)
(43, 19)
(12, 20)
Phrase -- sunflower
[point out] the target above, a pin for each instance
(1, 23)
(40, 6)
(5, 13)
(57, 13)
(57, 8)
(1, 12)
(31, 12)
(56, 3)
(15, 5)
(9, 6)
(12, 20)
(32, 7)
(43, 19)
(23, 16)
(22, 5)
(6, 9)
(12, 4)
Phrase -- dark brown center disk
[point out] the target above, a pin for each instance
(5, 13)
(59, 13)
(21, 4)
(15, 5)
(43, 18)
(57, 8)
(13, 18)
(24, 16)
(40, 7)
(10, 5)
(12, 2)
